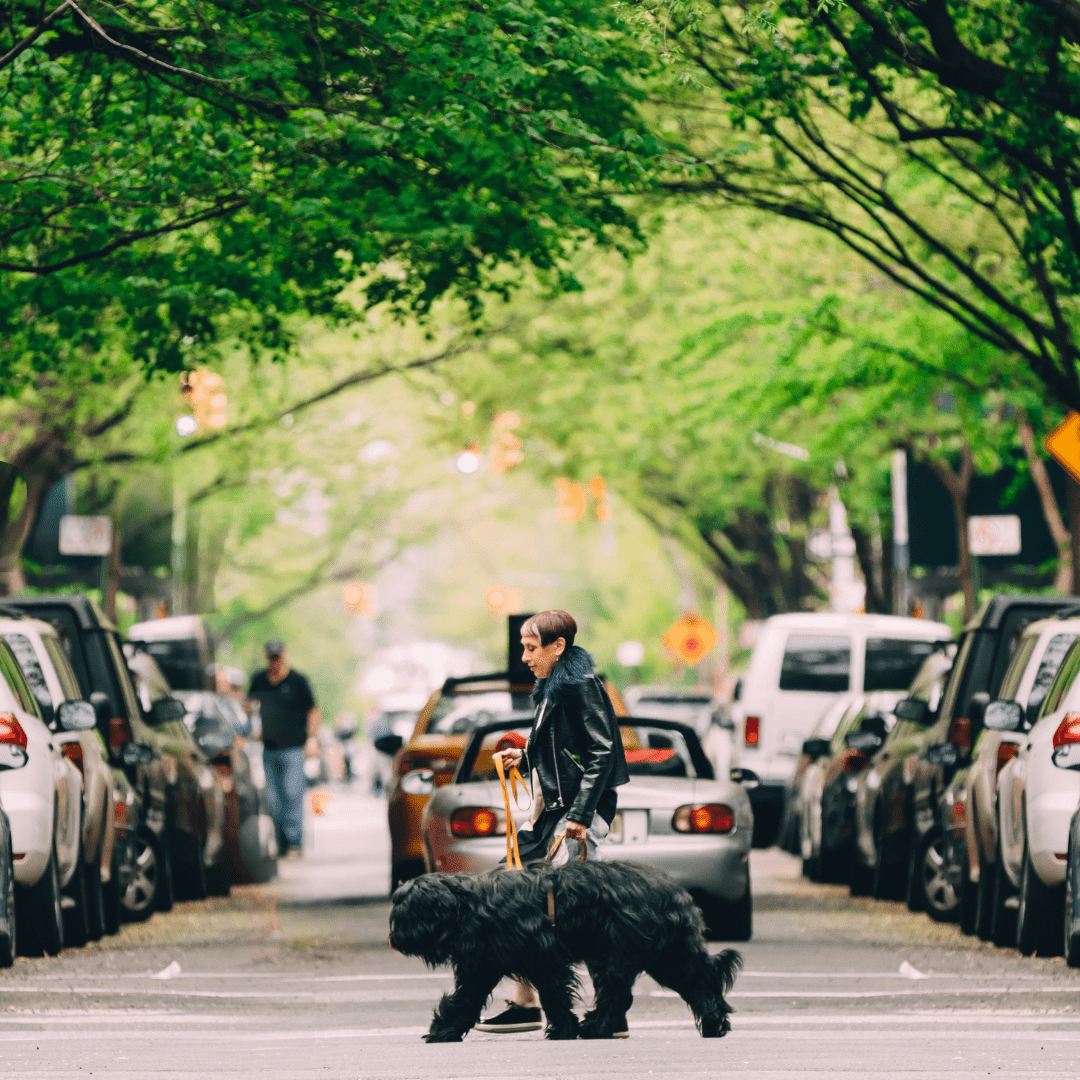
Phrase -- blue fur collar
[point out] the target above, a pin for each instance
(574, 666)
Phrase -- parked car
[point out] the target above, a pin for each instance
(43, 661)
(427, 760)
(968, 814)
(1037, 796)
(43, 802)
(983, 654)
(806, 775)
(691, 705)
(250, 849)
(673, 815)
(95, 650)
(182, 647)
(196, 814)
(827, 810)
(11, 757)
(1071, 943)
(882, 797)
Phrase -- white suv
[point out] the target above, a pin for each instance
(43, 802)
(49, 674)
(801, 663)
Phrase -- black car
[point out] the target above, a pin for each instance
(932, 881)
(96, 652)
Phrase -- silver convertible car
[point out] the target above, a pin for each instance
(673, 815)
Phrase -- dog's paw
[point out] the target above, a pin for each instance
(593, 1031)
(443, 1036)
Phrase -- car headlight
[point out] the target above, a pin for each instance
(418, 782)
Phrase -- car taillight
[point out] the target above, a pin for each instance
(1068, 731)
(1006, 752)
(11, 731)
(119, 733)
(960, 732)
(853, 761)
(752, 730)
(470, 821)
(706, 818)
(73, 752)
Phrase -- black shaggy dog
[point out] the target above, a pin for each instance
(617, 918)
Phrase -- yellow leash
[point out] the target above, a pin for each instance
(513, 855)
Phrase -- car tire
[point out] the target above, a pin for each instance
(39, 914)
(193, 885)
(76, 927)
(728, 920)
(888, 876)
(7, 941)
(111, 907)
(984, 899)
(1071, 941)
(140, 899)
(914, 896)
(1034, 916)
(166, 890)
(969, 898)
(811, 868)
(1003, 925)
(860, 876)
(95, 900)
(934, 893)
(217, 884)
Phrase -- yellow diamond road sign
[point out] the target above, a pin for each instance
(690, 638)
(1063, 444)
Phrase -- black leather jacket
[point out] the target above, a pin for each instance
(575, 745)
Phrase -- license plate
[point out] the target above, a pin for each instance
(629, 827)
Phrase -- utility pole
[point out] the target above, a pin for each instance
(901, 549)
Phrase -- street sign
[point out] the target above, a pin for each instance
(1063, 444)
(81, 535)
(994, 535)
(690, 638)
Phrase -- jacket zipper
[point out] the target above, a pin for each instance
(576, 764)
(555, 758)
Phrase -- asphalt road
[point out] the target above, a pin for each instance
(295, 981)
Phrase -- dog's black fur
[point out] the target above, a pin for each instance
(617, 918)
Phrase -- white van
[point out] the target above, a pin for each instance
(801, 663)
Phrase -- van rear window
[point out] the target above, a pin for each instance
(892, 663)
(816, 662)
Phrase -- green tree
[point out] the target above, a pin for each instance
(937, 140)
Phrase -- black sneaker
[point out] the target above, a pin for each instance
(513, 1018)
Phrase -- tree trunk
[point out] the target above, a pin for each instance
(1063, 580)
(958, 484)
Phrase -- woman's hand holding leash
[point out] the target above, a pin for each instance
(576, 831)
(511, 758)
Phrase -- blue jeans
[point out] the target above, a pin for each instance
(285, 787)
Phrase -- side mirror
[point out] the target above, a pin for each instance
(817, 748)
(76, 716)
(167, 709)
(389, 743)
(945, 754)
(133, 753)
(747, 777)
(1003, 716)
(875, 724)
(865, 742)
(912, 709)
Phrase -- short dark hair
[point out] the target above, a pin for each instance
(550, 625)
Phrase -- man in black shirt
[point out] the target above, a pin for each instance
(290, 723)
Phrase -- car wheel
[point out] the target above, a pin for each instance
(888, 879)
(193, 885)
(936, 893)
(7, 941)
(140, 897)
(727, 920)
(1034, 916)
(76, 929)
(111, 907)
(984, 899)
(969, 897)
(95, 900)
(166, 890)
(860, 876)
(1070, 940)
(40, 916)
(1003, 925)
(913, 892)
(217, 884)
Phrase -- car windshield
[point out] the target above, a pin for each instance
(892, 663)
(650, 751)
(460, 714)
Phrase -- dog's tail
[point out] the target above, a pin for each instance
(726, 965)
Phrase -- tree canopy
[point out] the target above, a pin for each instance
(165, 165)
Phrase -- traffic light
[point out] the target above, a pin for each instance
(204, 392)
